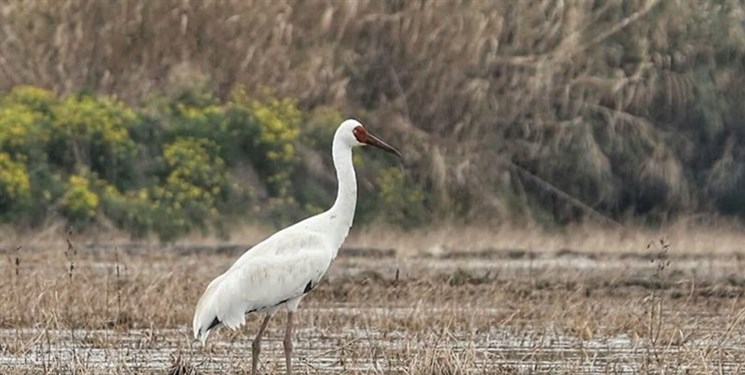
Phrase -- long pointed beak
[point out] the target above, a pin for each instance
(375, 141)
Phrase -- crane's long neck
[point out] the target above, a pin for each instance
(341, 213)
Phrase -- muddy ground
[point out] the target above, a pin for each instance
(493, 311)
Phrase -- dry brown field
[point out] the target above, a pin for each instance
(448, 301)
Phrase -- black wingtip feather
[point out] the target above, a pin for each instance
(214, 323)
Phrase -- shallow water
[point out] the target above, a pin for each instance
(334, 337)
(319, 350)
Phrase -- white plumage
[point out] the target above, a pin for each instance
(280, 270)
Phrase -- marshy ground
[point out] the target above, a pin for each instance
(567, 308)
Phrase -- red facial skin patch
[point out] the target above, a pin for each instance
(360, 133)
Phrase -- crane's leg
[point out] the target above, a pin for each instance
(256, 345)
(288, 343)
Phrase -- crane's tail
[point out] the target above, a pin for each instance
(201, 331)
(205, 315)
(216, 307)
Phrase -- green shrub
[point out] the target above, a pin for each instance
(92, 133)
(401, 203)
(165, 169)
(198, 122)
(79, 202)
(15, 188)
(37, 99)
(132, 211)
(272, 129)
(25, 121)
(19, 128)
(188, 196)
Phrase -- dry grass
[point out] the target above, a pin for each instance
(687, 237)
(96, 307)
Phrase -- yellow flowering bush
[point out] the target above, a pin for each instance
(37, 99)
(200, 122)
(15, 188)
(20, 128)
(182, 162)
(92, 133)
(195, 181)
(79, 202)
(24, 122)
(273, 128)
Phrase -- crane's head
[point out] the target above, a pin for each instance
(352, 133)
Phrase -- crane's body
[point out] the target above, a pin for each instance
(276, 273)
(280, 270)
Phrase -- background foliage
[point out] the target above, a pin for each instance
(180, 163)
(633, 108)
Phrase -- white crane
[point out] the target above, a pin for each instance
(280, 270)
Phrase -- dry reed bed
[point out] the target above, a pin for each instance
(629, 107)
(126, 309)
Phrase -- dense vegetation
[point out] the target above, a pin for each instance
(167, 116)
(179, 163)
